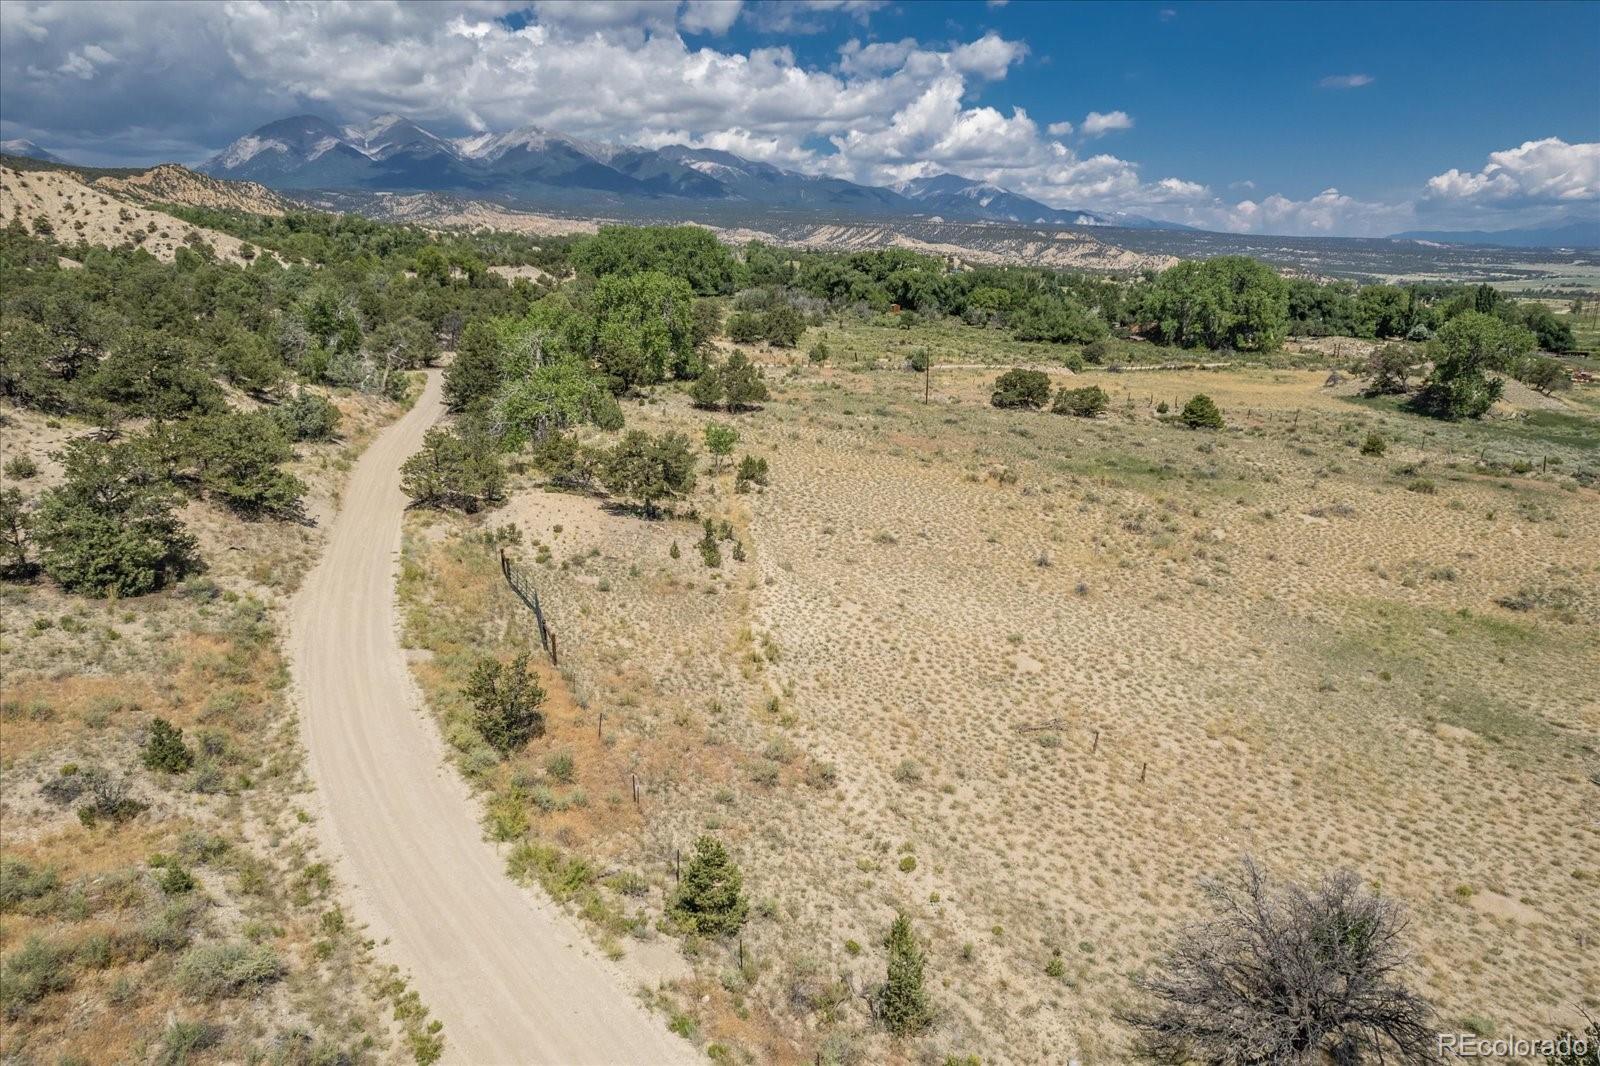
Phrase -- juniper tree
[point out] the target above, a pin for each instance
(1021, 388)
(902, 1002)
(1201, 413)
(709, 901)
(164, 749)
(506, 701)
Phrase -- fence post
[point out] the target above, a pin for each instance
(1096, 742)
(553, 660)
(1142, 768)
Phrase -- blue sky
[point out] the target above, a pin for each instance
(1293, 118)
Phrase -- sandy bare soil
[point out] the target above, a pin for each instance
(511, 979)
(79, 212)
(1026, 678)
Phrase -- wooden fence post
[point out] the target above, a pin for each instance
(553, 660)
(1096, 742)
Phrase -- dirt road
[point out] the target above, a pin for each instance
(512, 978)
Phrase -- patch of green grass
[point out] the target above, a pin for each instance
(1528, 437)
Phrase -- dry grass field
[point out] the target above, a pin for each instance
(1027, 677)
(185, 917)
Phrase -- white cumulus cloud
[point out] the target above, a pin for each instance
(1095, 123)
(1545, 171)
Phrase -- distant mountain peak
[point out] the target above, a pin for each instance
(536, 166)
(21, 146)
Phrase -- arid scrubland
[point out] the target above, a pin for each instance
(1026, 677)
(183, 913)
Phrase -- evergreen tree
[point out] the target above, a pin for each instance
(647, 469)
(458, 469)
(709, 900)
(902, 1003)
(164, 749)
(505, 703)
(1021, 388)
(109, 526)
(473, 377)
(1201, 413)
(742, 382)
(15, 524)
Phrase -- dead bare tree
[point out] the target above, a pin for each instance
(1282, 973)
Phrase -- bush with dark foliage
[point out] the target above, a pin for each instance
(1021, 388)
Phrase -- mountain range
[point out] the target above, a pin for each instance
(532, 167)
(28, 150)
(1577, 234)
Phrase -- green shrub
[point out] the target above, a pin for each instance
(21, 468)
(1021, 388)
(506, 701)
(21, 883)
(1084, 403)
(901, 1002)
(214, 971)
(164, 750)
(1201, 413)
(709, 899)
(30, 973)
(1375, 444)
(560, 767)
(181, 1040)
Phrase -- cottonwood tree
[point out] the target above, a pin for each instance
(720, 441)
(709, 901)
(1387, 369)
(1282, 973)
(506, 701)
(1465, 351)
(1545, 374)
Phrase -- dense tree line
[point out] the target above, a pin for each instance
(147, 350)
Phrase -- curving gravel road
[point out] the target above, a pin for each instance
(511, 977)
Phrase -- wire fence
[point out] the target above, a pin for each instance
(529, 595)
